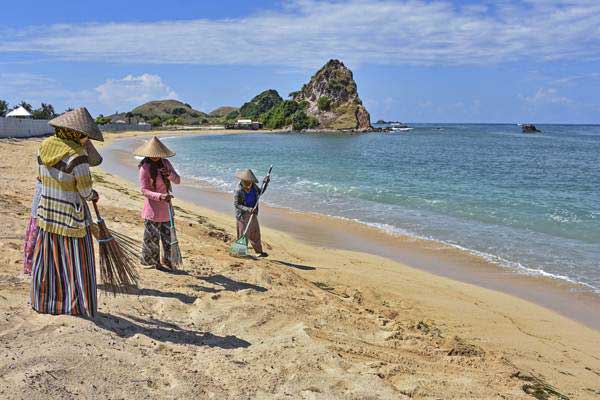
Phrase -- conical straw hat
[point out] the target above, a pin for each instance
(78, 120)
(246, 175)
(94, 157)
(154, 148)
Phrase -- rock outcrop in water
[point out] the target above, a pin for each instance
(331, 97)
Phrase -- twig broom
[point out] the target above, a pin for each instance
(117, 268)
(176, 259)
(131, 247)
(175, 252)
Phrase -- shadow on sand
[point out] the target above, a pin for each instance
(297, 266)
(133, 291)
(165, 332)
(229, 284)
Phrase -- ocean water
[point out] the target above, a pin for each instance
(527, 202)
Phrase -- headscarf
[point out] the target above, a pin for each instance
(65, 142)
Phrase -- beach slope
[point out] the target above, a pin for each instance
(307, 322)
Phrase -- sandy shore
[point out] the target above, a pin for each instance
(573, 301)
(309, 322)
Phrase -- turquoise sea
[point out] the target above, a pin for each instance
(530, 203)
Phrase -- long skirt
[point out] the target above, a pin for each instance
(31, 234)
(253, 233)
(64, 275)
(32, 230)
(154, 233)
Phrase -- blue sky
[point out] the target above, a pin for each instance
(414, 61)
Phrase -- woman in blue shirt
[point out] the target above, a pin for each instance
(245, 202)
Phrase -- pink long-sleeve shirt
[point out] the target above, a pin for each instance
(156, 209)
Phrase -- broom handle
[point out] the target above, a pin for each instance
(98, 217)
(248, 224)
(171, 219)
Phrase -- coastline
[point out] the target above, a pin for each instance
(570, 299)
(309, 321)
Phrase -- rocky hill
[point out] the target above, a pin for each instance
(329, 101)
(332, 98)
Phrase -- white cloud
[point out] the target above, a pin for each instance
(113, 94)
(594, 76)
(548, 96)
(132, 91)
(307, 33)
(35, 89)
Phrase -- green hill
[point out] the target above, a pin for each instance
(222, 111)
(170, 112)
(260, 104)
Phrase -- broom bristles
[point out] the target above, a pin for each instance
(129, 245)
(117, 268)
(176, 259)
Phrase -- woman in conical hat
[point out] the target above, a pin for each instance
(245, 202)
(64, 276)
(156, 175)
(32, 229)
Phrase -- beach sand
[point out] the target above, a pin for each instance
(309, 322)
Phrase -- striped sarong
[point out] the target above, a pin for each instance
(29, 245)
(64, 275)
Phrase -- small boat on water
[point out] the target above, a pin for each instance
(529, 128)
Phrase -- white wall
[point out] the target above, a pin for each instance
(124, 127)
(21, 128)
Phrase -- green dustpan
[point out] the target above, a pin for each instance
(240, 247)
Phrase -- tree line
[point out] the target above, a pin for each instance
(45, 111)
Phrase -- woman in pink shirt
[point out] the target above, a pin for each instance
(156, 175)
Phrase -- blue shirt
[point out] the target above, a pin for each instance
(250, 197)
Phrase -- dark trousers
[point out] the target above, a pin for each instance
(253, 233)
(154, 233)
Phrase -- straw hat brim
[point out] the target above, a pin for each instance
(94, 158)
(154, 148)
(78, 120)
(246, 175)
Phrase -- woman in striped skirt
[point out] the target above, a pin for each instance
(31, 231)
(64, 276)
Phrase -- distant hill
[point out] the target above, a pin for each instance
(222, 111)
(170, 112)
(260, 104)
(329, 101)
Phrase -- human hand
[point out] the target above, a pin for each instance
(165, 172)
(166, 197)
(95, 196)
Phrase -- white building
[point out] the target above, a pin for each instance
(20, 112)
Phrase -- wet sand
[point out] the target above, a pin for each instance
(573, 301)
